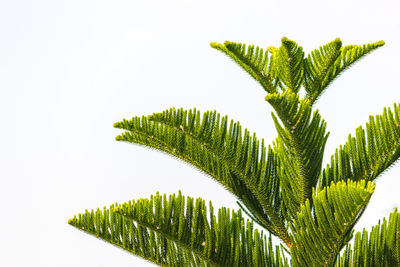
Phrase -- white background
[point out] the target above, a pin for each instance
(70, 69)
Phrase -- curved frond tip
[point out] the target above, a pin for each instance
(325, 64)
(254, 60)
(178, 231)
(234, 158)
(320, 233)
(290, 65)
(378, 248)
(367, 155)
(300, 146)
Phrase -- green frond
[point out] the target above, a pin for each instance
(369, 153)
(378, 248)
(281, 188)
(320, 233)
(285, 67)
(299, 146)
(289, 65)
(174, 232)
(317, 66)
(235, 159)
(327, 63)
(254, 60)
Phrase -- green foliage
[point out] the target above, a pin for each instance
(299, 146)
(256, 61)
(289, 65)
(174, 232)
(380, 248)
(231, 156)
(281, 187)
(369, 153)
(317, 66)
(319, 237)
(323, 65)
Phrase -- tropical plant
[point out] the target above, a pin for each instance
(283, 187)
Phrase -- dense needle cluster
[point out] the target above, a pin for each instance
(282, 187)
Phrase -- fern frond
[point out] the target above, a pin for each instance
(369, 153)
(317, 66)
(319, 234)
(320, 70)
(237, 160)
(174, 232)
(289, 65)
(378, 248)
(254, 60)
(299, 146)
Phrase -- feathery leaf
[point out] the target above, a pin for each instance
(317, 66)
(320, 234)
(236, 160)
(369, 153)
(299, 146)
(254, 60)
(289, 65)
(379, 248)
(174, 232)
(321, 70)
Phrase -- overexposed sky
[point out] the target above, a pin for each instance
(70, 69)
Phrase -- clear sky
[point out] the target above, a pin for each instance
(70, 69)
